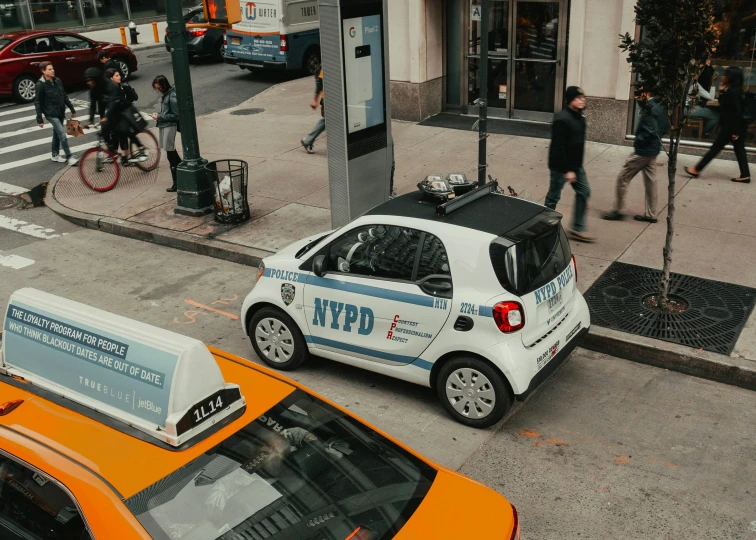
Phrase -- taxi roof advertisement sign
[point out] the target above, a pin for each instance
(147, 377)
(99, 365)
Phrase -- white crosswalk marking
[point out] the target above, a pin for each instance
(10, 189)
(31, 118)
(15, 261)
(16, 111)
(24, 227)
(42, 157)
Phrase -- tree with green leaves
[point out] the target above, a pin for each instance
(677, 38)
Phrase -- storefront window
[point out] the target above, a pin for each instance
(103, 11)
(146, 8)
(736, 22)
(56, 14)
(14, 15)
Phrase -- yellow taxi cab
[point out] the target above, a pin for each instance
(114, 429)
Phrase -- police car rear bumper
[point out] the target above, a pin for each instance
(552, 366)
(259, 64)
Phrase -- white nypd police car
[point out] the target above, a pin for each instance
(476, 298)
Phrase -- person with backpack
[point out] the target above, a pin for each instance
(115, 124)
(732, 126)
(108, 63)
(168, 123)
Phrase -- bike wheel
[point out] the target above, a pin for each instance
(148, 148)
(99, 169)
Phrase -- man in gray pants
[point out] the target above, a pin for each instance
(651, 127)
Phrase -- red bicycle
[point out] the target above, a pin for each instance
(100, 168)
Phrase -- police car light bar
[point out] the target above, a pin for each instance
(467, 198)
(159, 382)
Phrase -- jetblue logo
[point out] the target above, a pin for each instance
(351, 314)
(551, 289)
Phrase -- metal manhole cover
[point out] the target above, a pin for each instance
(8, 201)
(245, 112)
(715, 316)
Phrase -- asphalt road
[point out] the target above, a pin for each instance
(25, 149)
(604, 449)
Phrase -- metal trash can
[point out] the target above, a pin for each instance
(229, 180)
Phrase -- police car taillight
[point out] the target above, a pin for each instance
(574, 263)
(509, 316)
(260, 270)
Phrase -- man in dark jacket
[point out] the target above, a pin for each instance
(96, 83)
(566, 160)
(108, 63)
(51, 101)
(651, 127)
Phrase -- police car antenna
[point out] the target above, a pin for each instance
(467, 198)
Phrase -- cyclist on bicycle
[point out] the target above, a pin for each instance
(117, 130)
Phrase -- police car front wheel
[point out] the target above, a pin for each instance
(277, 339)
(473, 392)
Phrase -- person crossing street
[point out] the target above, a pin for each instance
(319, 127)
(51, 101)
(566, 160)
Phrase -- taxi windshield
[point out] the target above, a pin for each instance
(302, 471)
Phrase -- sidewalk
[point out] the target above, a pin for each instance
(289, 199)
(146, 36)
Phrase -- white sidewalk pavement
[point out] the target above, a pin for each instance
(146, 36)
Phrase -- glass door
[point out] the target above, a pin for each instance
(498, 43)
(538, 66)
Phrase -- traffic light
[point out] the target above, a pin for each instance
(222, 12)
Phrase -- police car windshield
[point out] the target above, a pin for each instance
(302, 471)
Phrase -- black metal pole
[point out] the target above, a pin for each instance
(194, 197)
(483, 98)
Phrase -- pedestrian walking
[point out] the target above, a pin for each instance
(168, 121)
(108, 63)
(319, 128)
(96, 83)
(652, 126)
(115, 124)
(51, 101)
(732, 126)
(566, 160)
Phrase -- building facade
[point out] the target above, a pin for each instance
(536, 48)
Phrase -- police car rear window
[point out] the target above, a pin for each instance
(532, 262)
(302, 471)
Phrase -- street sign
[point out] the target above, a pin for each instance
(475, 12)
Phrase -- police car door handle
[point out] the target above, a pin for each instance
(436, 285)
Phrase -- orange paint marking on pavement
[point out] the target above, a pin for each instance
(218, 311)
(622, 460)
(529, 433)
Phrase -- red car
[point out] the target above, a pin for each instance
(21, 53)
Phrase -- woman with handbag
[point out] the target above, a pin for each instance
(168, 122)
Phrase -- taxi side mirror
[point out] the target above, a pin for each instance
(319, 265)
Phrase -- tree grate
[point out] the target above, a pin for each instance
(715, 316)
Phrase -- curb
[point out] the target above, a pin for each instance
(192, 243)
(734, 371)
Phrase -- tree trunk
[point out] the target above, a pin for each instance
(671, 173)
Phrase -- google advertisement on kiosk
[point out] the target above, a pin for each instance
(363, 70)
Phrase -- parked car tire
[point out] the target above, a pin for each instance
(277, 339)
(124, 64)
(311, 62)
(473, 392)
(25, 88)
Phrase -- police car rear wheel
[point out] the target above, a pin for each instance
(276, 339)
(473, 392)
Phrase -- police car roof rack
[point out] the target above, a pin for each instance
(467, 198)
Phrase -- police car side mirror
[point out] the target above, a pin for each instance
(319, 266)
